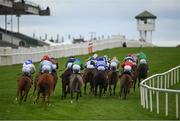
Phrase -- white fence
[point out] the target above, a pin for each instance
(160, 83)
(9, 56)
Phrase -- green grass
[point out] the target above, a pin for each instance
(89, 107)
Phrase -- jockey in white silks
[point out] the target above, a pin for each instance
(143, 61)
(77, 66)
(90, 64)
(114, 63)
(101, 64)
(28, 68)
(46, 65)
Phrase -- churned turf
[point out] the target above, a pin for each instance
(89, 107)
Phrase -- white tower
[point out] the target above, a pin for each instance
(145, 25)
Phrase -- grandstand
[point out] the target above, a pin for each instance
(18, 8)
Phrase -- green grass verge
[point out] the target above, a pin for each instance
(89, 107)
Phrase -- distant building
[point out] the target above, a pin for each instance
(8, 38)
(15, 39)
(79, 40)
(145, 25)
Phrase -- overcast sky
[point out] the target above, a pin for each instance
(103, 17)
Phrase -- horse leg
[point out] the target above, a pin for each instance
(134, 84)
(121, 89)
(37, 98)
(71, 94)
(17, 94)
(125, 89)
(139, 79)
(26, 94)
(21, 96)
(100, 90)
(85, 87)
(114, 89)
(63, 91)
(110, 90)
(95, 91)
(78, 93)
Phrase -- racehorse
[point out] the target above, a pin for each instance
(101, 80)
(45, 87)
(112, 80)
(35, 82)
(125, 84)
(88, 76)
(142, 72)
(134, 76)
(65, 82)
(76, 82)
(23, 87)
(55, 78)
(54, 73)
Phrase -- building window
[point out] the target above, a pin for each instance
(21, 44)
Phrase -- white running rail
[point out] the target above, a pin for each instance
(160, 83)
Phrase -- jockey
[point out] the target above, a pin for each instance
(107, 61)
(54, 64)
(114, 63)
(143, 61)
(101, 64)
(94, 57)
(127, 67)
(132, 58)
(141, 55)
(77, 66)
(90, 64)
(46, 64)
(142, 58)
(70, 62)
(28, 68)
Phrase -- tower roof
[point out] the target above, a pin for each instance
(145, 14)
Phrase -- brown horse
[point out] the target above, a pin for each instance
(55, 78)
(65, 82)
(134, 76)
(76, 82)
(101, 80)
(45, 87)
(88, 76)
(23, 87)
(35, 82)
(112, 80)
(125, 83)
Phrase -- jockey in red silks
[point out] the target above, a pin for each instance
(127, 66)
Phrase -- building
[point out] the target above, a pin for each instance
(145, 25)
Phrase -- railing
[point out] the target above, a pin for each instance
(160, 83)
(9, 56)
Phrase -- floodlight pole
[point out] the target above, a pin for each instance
(6, 23)
(18, 22)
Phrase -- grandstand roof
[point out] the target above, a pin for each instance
(11, 7)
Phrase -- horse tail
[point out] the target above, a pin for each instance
(126, 80)
(114, 77)
(77, 85)
(90, 75)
